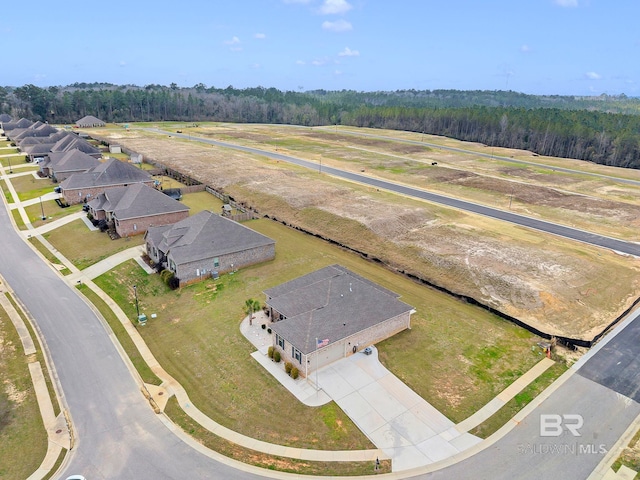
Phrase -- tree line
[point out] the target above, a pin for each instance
(602, 129)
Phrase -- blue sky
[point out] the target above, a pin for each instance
(564, 47)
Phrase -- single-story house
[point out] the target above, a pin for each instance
(61, 165)
(58, 142)
(82, 187)
(5, 118)
(135, 208)
(330, 314)
(206, 244)
(89, 121)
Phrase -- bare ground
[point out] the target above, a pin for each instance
(558, 286)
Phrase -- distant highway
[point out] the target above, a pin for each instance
(622, 246)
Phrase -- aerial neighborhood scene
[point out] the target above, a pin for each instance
(325, 239)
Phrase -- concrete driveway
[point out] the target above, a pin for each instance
(395, 418)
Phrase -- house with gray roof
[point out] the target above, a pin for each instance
(5, 118)
(206, 244)
(330, 314)
(61, 165)
(133, 209)
(89, 121)
(58, 142)
(82, 187)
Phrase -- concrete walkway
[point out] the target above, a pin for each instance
(402, 425)
(398, 421)
(58, 433)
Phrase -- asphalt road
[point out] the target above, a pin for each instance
(119, 436)
(541, 225)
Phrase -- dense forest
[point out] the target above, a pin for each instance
(603, 129)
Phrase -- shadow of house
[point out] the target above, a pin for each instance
(206, 244)
(132, 210)
(330, 314)
(82, 187)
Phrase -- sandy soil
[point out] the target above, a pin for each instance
(560, 287)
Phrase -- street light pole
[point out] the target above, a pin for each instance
(42, 209)
(10, 169)
(135, 293)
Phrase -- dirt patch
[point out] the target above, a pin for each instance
(555, 285)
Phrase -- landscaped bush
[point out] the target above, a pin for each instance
(294, 373)
(174, 282)
(287, 367)
(165, 275)
(276, 356)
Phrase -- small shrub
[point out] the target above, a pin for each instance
(294, 373)
(174, 282)
(270, 351)
(288, 367)
(264, 326)
(276, 356)
(269, 330)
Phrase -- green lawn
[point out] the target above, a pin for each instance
(21, 427)
(5, 190)
(456, 356)
(96, 245)
(199, 201)
(51, 211)
(27, 187)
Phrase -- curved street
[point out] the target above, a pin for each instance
(119, 435)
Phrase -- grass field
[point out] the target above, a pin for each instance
(199, 201)
(51, 212)
(27, 187)
(19, 414)
(456, 356)
(96, 245)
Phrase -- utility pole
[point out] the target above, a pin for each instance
(42, 209)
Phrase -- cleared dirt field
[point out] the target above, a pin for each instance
(561, 287)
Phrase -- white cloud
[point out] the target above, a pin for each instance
(233, 41)
(304, 2)
(319, 62)
(300, 62)
(525, 48)
(566, 3)
(347, 52)
(122, 63)
(335, 7)
(337, 26)
(593, 76)
(256, 66)
(337, 72)
(260, 36)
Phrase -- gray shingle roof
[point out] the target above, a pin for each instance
(110, 173)
(204, 235)
(90, 121)
(71, 161)
(331, 303)
(135, 201)
(5, 117)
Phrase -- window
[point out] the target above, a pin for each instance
(295, 353)
(280, 341)
(216, 262)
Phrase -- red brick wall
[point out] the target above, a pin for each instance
(76, 196)
(137, 226)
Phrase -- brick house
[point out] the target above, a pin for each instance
(83, 187)
(206, 244)
(330, 314)
(133, 209)
(61, 165)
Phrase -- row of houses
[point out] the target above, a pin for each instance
(316, 319)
